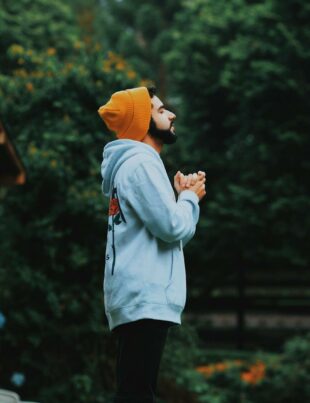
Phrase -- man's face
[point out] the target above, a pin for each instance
(163, 119)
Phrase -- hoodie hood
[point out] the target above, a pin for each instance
(115, 153)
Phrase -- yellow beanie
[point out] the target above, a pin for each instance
(128, 113)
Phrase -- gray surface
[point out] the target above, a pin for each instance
(6, 396)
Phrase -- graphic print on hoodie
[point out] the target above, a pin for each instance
(117, 217)
(144, 275)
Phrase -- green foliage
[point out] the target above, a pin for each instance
(243, 378)
(241, 77)
(176, 358)
(286, 379)
(36, 24)
(140, 31)
(53, 228)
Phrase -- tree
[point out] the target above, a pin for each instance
(242, 73)
(53, 228)
(140, 32)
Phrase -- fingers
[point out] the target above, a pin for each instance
(189, 180)
(195, 176)
(200, 180)
(199, 185)
(186, 181)
(177, 175)
(182, 180)
(201, 192)
(192, 179)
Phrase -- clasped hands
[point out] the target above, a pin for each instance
(194, 182)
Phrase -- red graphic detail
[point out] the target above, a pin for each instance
(114, 207)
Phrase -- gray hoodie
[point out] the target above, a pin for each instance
(144, 274)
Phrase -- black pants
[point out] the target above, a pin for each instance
(139, 351)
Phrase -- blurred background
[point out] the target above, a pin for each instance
(236, 73)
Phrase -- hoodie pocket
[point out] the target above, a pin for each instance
(153, 293)
(176, 289)
(122, 292)
(176, 295)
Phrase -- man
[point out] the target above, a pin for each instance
(144, 279)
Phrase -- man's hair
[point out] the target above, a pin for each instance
(151, 90)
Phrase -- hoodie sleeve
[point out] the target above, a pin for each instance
(154, 203)
(188, 237)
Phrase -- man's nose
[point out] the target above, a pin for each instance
(172, 116)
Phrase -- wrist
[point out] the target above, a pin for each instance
(189, 194)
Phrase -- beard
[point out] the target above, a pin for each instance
(165, 135)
